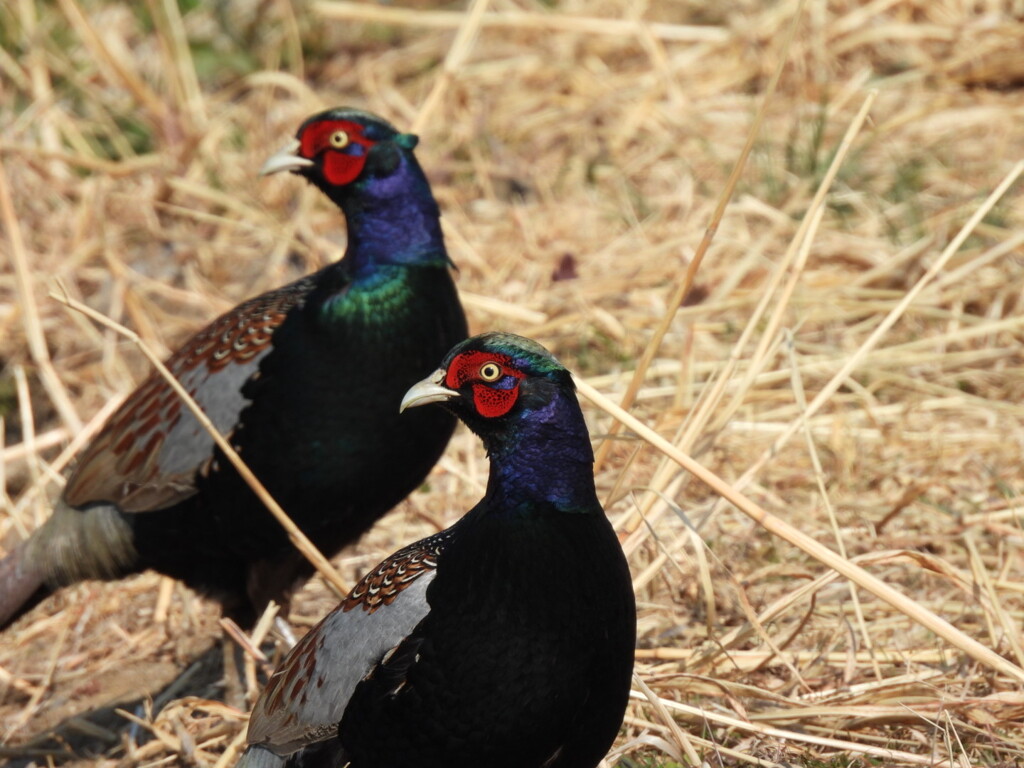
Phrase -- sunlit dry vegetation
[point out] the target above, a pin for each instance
(848, 357)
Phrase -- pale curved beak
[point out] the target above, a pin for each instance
(286, 159)
(428, 391)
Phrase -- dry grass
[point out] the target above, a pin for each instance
(860, 377)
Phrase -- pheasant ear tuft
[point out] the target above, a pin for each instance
(407, 141)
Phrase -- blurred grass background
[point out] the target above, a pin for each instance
(577, 150)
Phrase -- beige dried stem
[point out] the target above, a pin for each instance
(784, 530)
(30, 311)
(457, 54)
(800, 396)
(179, 66)
(298, 538)
(681, 738)
(106, 58)
(750, 659)
(800, 594)
(29, 496)
(523, 20)
(858, 357)
(683, 288)
(791, 264)
(704, 715)
(1001, 624)
(232, 751)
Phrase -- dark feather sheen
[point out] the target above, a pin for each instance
(519, 653)
(306, 382)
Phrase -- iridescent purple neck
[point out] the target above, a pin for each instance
(543, 460)
(392, 218)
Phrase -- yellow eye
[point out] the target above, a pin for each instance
(339, 139)
(490, 371)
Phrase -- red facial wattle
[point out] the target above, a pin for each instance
(340, 165)
(491, 399)
(341, 169)
(492, 403)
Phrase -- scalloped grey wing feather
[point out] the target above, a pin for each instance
(306, 697)
(148, 454)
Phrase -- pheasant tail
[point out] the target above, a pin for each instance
(23, 587)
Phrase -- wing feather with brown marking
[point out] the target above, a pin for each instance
(150, 451)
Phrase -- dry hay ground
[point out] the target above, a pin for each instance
(578, 163)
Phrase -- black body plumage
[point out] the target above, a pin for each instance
(505, 641)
